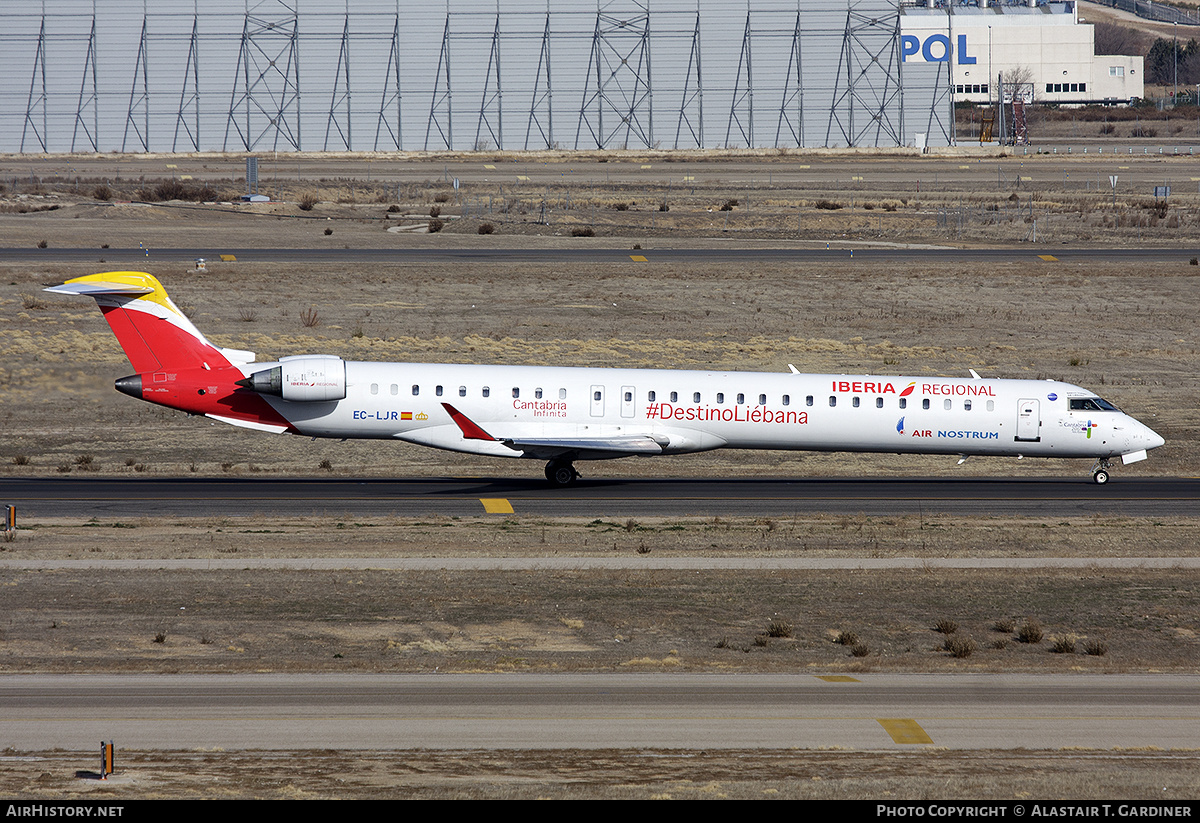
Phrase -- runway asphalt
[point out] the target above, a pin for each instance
(114, 498)
(590, 254)
(869, 712)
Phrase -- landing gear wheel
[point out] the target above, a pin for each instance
(1099, 477)
(561, 474)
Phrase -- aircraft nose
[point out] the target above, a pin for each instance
(1154, 439)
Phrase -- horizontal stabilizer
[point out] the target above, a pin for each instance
(92, 288)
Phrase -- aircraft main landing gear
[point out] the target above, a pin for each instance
(1100, 471)
(561, 473)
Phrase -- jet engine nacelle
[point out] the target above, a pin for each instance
(309, 378)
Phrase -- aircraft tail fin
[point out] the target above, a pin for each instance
(151, 329)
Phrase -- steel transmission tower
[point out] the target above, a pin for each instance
(620, 104)
(266, 95)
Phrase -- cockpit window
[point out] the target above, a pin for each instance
(1091, 404)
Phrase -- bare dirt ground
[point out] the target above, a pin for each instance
(1128, 333)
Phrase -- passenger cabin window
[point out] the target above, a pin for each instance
(966, 405)
(395, 389)
(762, 400)
(537, 393)
(808, 401)
(854, 402)
(695, 397)
(946, 404)
(374, 388)
(904, 402)
(832, 400)
(462, 391)
(438, 391)
(516, 392)
(487, 391)
(650, 396)
(720, 397)
(416, 391)
(741, 399)
(562, 394)
(787, 400)
(925, 403)
(879, 402)
(991, 405)
(674, 397)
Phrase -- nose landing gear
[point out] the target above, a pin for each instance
(1100, 471)
(561, 473)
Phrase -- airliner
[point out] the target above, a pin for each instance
(562, 415)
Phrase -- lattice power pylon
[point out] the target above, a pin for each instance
(868, 99)
(266, 95)
(618, 103)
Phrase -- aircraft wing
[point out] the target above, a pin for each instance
(625, 444)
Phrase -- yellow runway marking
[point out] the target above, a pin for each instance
(522, 177)
(646, 165)
(904, 731)
(489, 166)
(228, 258)
(838, 678)
(1049, 258)
(496, 505)
(637, 258)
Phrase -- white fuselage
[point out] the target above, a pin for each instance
(688, 411)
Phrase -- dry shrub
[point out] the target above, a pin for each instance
(310, 317)
(828, 205)
(435, 226)
(307, 202)
(779, 628)
(1063, 644)
(945, 627)
(847, 637)
(486, 228)
(1030, 632)
(959, 646)
(585, 231)
(1096, 648)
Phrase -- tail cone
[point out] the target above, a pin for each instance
(131, 385)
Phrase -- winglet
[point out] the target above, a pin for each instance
(469, 430)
